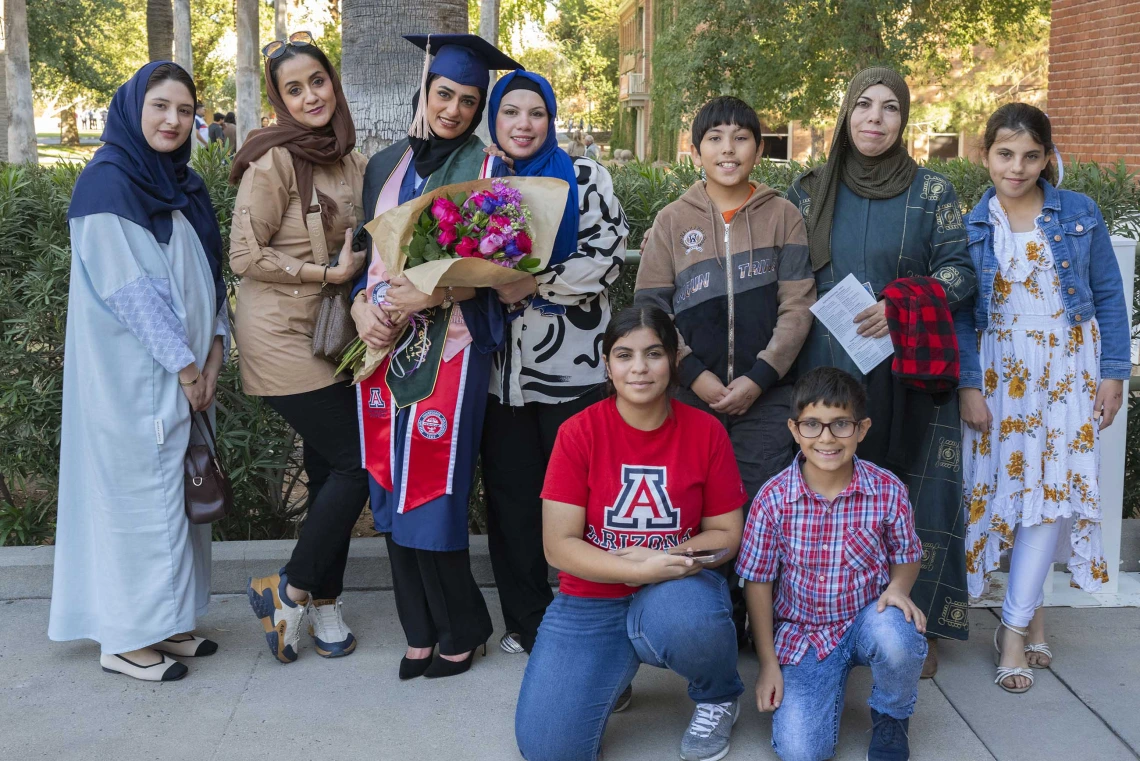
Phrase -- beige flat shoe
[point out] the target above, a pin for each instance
(166, 670)
(186, 646)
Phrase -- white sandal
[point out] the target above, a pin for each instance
(1040, 648)
(1005, 672)
(166, 670)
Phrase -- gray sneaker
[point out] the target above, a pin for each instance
(709, 730)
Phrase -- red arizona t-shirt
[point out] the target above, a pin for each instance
(641, 488)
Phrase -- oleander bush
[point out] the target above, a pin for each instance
(258, 447)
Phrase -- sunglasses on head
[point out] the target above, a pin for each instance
(277, 47)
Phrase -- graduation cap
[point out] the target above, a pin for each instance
(462, 58)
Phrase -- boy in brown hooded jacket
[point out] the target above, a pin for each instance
(729, 260)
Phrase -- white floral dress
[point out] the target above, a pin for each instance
(1038, 462)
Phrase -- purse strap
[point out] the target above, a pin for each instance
(208, 434)
(317, 231)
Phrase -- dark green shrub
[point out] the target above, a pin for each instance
(35, 261)
(259, 448)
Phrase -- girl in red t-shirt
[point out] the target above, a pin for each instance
(632, 481)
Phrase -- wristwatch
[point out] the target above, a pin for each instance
(448, 298)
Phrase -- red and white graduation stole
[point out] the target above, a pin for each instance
(426, 459)
(427, 466)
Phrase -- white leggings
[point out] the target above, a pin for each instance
(1032, 557)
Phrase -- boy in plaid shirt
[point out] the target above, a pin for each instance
(838, 534)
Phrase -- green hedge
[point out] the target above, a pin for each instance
(260, 449)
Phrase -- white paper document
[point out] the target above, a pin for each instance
(837, 308)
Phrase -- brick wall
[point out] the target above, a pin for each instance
(1094, 79)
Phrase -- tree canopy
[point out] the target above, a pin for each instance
(792, 59)
(84, 48)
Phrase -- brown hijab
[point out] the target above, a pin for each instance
(876, 177)
(307, 146)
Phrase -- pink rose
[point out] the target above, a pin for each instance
(522, 240)
(491, 244)
(442, 208)
(447, 236)
(467, 246)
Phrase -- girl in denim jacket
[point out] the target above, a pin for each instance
(1045, 351)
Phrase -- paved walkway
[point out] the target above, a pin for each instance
(55, 702)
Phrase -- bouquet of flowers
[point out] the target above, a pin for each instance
(476, 234)
(493, 225)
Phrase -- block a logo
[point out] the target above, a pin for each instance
(643, 504)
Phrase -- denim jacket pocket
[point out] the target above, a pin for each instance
(1079, 225)
(861, 550)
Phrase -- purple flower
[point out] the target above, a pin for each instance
(512, 249)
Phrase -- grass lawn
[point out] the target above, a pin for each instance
(41, 135)
(52, 154)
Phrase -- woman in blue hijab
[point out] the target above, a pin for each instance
(551, 367)
(146, 333)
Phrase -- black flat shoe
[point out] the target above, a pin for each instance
(442, 667)
(410, 668)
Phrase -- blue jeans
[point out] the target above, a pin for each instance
(806, 725)
(588, 650)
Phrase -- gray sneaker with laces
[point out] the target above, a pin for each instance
(709, 731)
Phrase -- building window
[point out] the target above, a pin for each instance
(778, 143)
(944, 145)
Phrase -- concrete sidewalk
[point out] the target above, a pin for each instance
(56, 703)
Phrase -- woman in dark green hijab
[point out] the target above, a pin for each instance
(871, 211)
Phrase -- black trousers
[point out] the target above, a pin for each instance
(438, 600)
(517, 442)
(337, 484)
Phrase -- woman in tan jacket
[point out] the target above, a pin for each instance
(303, 164)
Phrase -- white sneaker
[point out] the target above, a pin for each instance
(330, 633)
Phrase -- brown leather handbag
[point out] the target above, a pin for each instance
(334, 329)
(209, 493)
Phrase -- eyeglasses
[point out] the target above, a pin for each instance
(813, 429)
(277, 47)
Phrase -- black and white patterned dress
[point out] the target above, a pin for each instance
(554, 352)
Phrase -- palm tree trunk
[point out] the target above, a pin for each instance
(248, 71)
(21, 117)
(183, 50)
(488, 30)
(159, 30)
(381, 72)
(280, 19)
(3, 102)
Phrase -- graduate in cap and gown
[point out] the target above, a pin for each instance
(421, 456)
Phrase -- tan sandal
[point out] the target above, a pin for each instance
(930, 663)
(1005, 672)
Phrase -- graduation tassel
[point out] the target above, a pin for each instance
(420, 128)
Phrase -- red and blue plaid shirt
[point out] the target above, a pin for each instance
(832, 559)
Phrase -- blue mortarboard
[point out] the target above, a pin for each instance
(462, 58)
